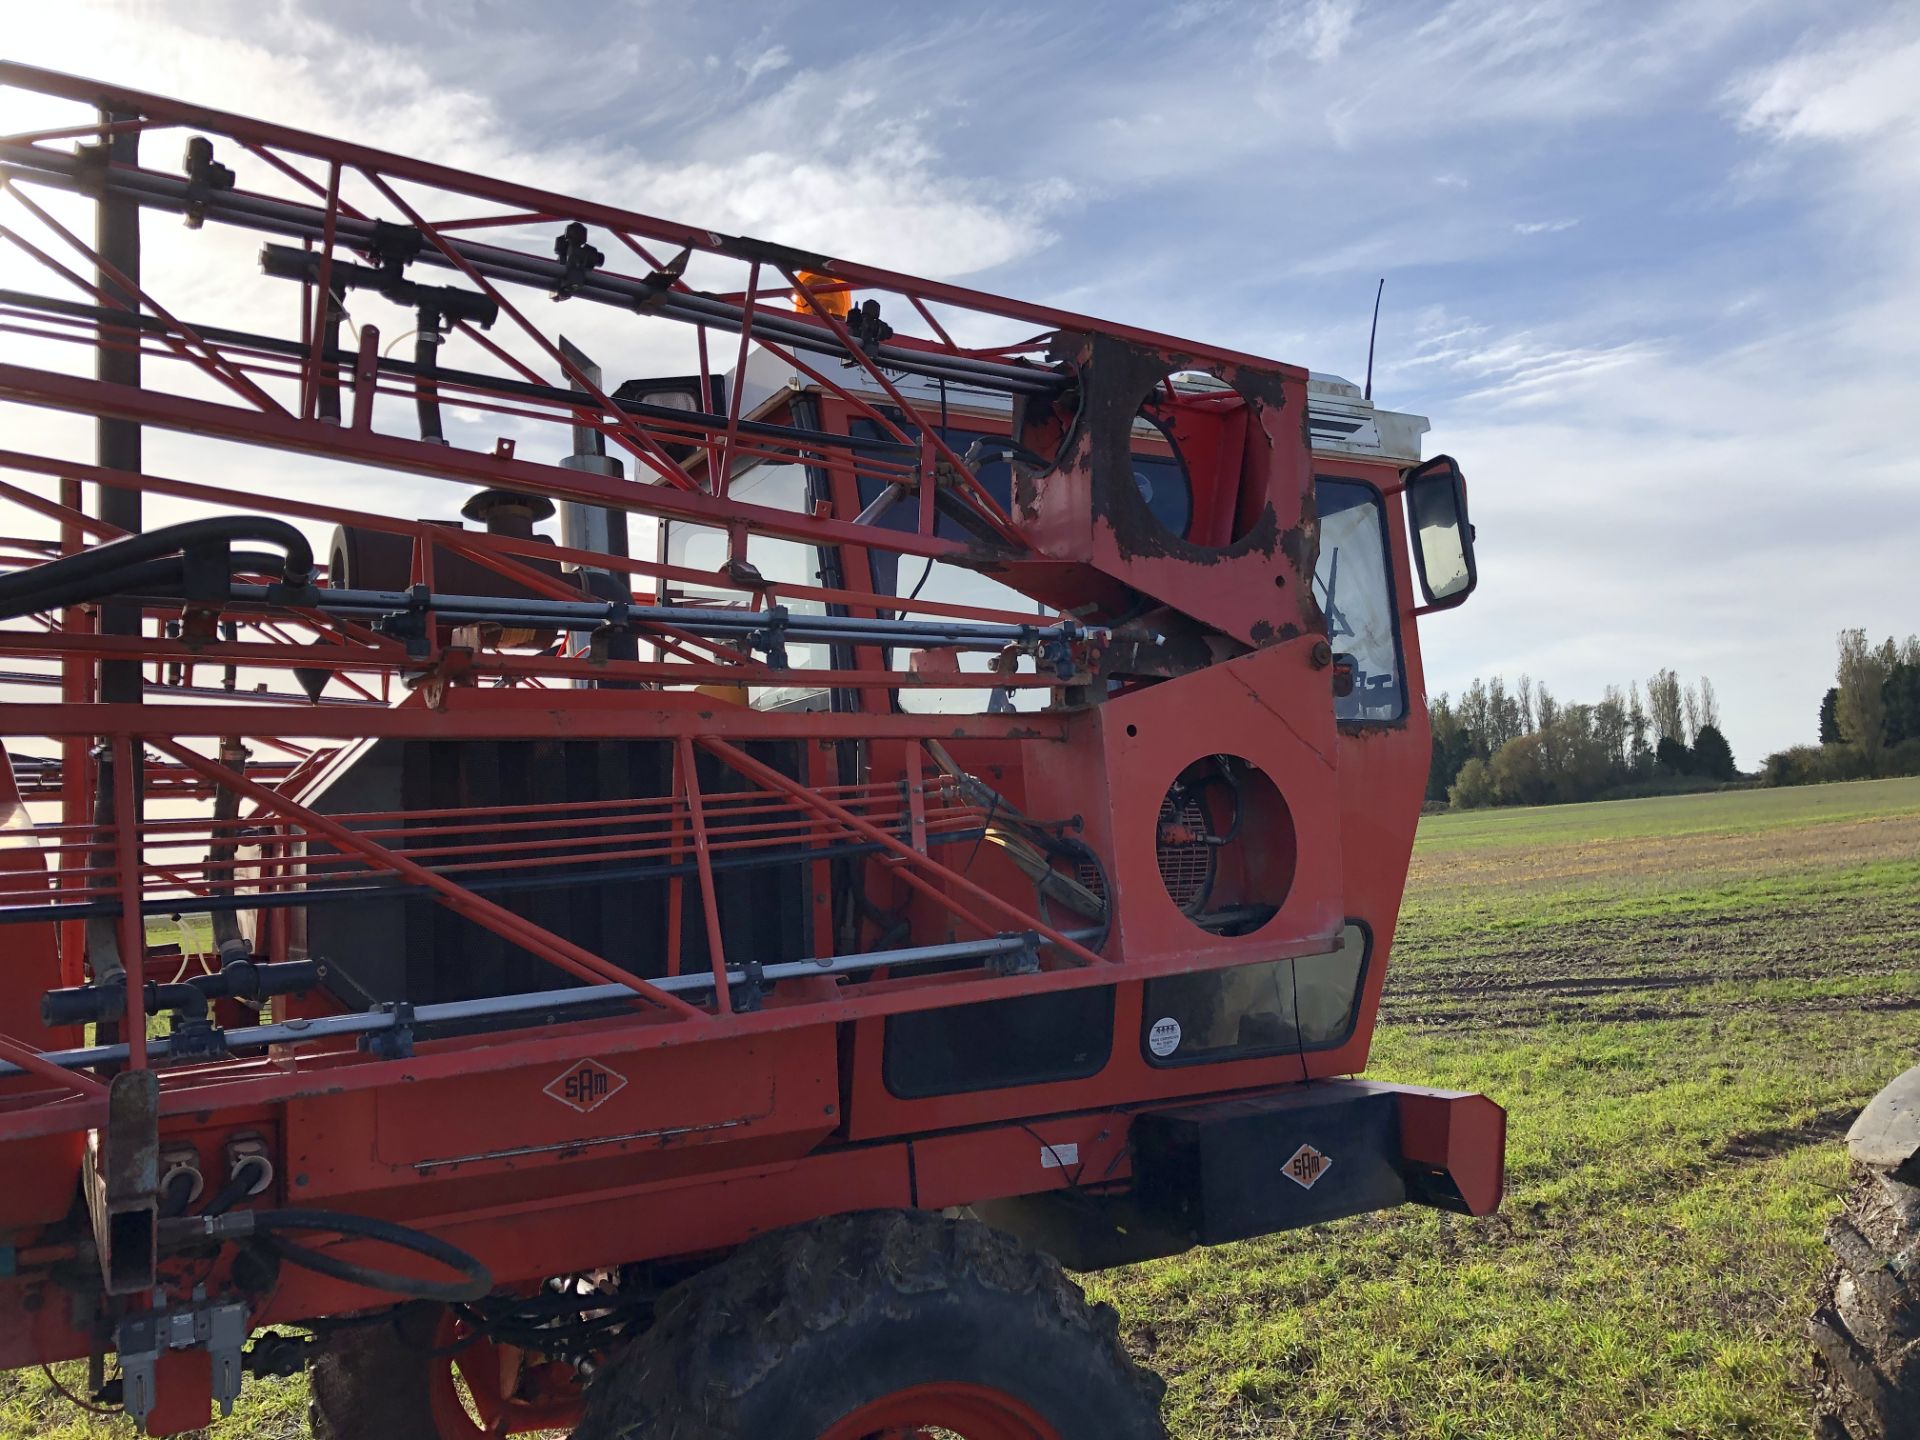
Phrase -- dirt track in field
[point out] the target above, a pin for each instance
(1626, 859)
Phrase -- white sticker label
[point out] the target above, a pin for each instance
(1056, 1157)
(1164, 1038)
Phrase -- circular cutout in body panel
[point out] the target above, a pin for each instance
(1226, 845)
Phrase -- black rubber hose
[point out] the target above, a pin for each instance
(146, 577)
(242, 1183)
(1227, 778)
(426, 392)
(478, 1281)
(168, 540)
(1079, 850)
(227, 1196)
(327, 383)
(70, 589)
(176, 1193)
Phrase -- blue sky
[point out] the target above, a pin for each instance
(1650, 268)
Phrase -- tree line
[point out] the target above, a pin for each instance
(1869, 723)
(1498, 744)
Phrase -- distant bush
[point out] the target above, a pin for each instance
(1813, 765)
(1824, 764)
(1521, 774)
(1472, 787)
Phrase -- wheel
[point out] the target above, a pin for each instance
(1866, 1327)
(426, 1376)
(881, 1326)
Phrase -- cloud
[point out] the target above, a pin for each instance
(1318, 29)
(1860, 86)
(1518, 369)
(1843, 129)
(814, 160)
(766, 62)
(1543, 227)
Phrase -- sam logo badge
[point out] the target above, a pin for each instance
(1306, 1165)
(586, 1085)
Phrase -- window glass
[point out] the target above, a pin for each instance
(1163, 484)
(909, 575)
(1246, 1011)
(785, 562)
(1025, 1040)
(1355, 590)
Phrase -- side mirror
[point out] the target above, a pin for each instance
(1442, 534)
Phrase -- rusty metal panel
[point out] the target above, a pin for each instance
(121, 1179)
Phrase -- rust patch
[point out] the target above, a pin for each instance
(1117, 378)
(1301, 546)
(1114, 381)
(1265, 387)
(1265, 632)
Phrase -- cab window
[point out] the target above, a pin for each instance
(909, 576)
(781, 561)
(1270, 1007)
(1354, 585)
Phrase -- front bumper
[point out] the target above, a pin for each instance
(1224, 1170)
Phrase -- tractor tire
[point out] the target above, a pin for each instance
(879, 1324)
(1866, 1325)
(373, 1382)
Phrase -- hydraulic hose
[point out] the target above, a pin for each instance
(163, 577)
(269, 1224)
(169, 540)
(247, 1179)
(426, 356)
(327, 389)
(1085, 854)
(147, 577)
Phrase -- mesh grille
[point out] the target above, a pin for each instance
(1185, 870)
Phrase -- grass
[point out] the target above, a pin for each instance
(1682, 1001)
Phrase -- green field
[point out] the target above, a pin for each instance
(1682, 1002)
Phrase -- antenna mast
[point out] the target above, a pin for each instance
(1372, 335)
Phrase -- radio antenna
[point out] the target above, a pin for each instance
(1372, 335)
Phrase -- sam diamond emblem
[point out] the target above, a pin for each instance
(586, 1085)
(1306, 1165)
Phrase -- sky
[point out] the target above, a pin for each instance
(1650, 268)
